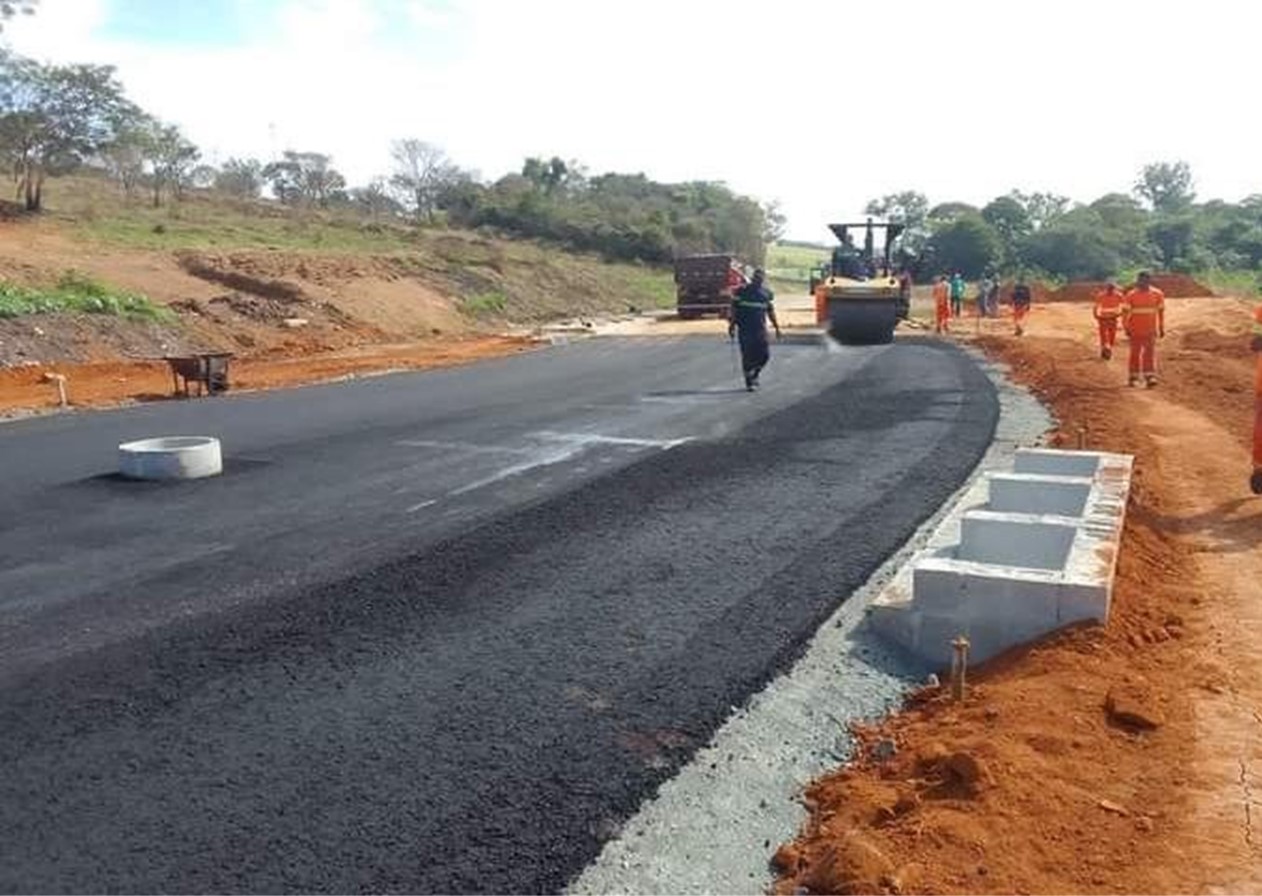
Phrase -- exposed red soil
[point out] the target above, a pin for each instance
(1175, 286)
(1115, 759)
(96, 384)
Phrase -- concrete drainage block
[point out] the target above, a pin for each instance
(171, 457)
(1038, 553)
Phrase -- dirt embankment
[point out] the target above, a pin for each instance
(336, 313)
(1175, 286)
(1118, 759)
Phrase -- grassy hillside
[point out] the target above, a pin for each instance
(97, 276)
(793, 263)
(489, 277)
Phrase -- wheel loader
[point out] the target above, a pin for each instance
(858, 297)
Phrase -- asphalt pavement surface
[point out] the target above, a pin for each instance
(435, 632)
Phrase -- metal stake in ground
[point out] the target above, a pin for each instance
(959, 667)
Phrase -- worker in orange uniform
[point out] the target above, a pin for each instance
(1108, 311)
(1255, 481)
(1144, 318)
(941, 305)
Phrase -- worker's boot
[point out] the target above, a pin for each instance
(1151, 382)
(1133, 382)
(1255, 481)
(1106, 353)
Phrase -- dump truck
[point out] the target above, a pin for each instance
(858, 297)
(704, 284)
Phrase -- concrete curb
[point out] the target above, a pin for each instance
(714, 826)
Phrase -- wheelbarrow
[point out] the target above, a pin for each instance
(208, 369)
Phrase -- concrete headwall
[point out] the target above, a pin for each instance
(1036, 550)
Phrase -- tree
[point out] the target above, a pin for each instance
(1166, 186)
(53, 117)
(1042, 208)
(203, 176)
(1012, 225)
(1075, 248)
(124, 156)
(909, 208)
(304, 177)
(375, 201)
(1172, 235)
(774, 222)
(549, 176)
(170, 157)
(242, 178)
(966, 244)
(422, 172)
(949, 211)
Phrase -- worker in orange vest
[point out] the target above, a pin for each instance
(1255, 481)
(1144, 319)
(1108, 310)
(941, 304)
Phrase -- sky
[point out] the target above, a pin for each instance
(820, 106)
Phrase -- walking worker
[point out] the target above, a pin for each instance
(1021, 299)
(992, 299)
(1108, 311)
(752, 306)
(958, 288)
(983, 290)
(1255, 481)
(941, 305)
(1144, 319)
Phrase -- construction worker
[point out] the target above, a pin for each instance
(752, 306)
(941, 305)
(958, 289)
(1108, 311)
(1144, 319)
(1021, 299)
(1255, 481)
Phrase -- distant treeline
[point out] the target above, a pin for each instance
(1157, 225)
(55, 119)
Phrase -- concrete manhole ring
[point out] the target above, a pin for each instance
(171, 457)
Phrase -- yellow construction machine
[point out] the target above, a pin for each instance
(858, 296)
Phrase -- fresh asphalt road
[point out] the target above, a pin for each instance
(438, 631)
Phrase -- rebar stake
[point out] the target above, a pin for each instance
(1082, 437)
(959, 667)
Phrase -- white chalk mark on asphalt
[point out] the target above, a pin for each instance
(541, 459)
(415, 507)
(572, 444)
(585, 438)
(464, 447)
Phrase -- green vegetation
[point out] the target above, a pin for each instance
(1159, 225)
(485, 303)
(791, 263)
(57, 119)
(75, 292)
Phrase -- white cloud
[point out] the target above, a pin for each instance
(822, 106)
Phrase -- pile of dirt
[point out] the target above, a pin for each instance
(1100, 759)
(1180, 286)
(88, 337)
(1077, 291)
(1175, 286)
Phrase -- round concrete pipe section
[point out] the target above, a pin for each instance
(171, 457)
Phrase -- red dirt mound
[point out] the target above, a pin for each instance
(1180, 286)
(1175, 286)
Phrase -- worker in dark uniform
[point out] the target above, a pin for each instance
(752, 307)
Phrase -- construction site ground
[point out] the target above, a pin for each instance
(1114, 759)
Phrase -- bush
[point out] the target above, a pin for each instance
(77, 292)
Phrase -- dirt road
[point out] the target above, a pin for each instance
(1031, 785)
